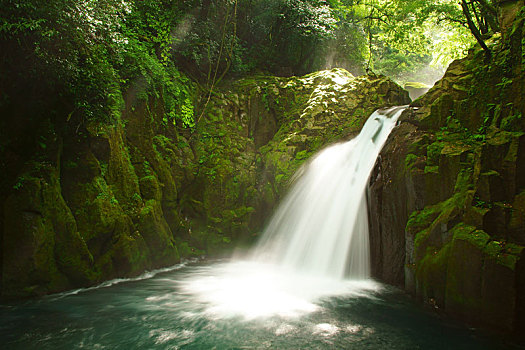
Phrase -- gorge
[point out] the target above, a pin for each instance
(311, 263)
(129, 216)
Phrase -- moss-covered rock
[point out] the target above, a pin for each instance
(331, 106)
(256, 133)
(42, 249)
(106, 200)
(157, 234)
(416, 89)
(459, 151)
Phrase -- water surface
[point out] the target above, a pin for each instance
(189, 307)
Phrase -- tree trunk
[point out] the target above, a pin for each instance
(474, 30)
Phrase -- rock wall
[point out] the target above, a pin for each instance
(85, 203)
(448, 191)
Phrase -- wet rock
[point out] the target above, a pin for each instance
(111, 200)
(448, 191)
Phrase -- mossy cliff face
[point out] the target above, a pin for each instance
(85, 202)
(447, 193)
(290, 119)
(255, 134)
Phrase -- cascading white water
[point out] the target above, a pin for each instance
(316, 244)
(321, 227)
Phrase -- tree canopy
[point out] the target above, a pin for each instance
(87, 53)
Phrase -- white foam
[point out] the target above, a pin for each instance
(321, 227)
(315, 246)
(254, 290)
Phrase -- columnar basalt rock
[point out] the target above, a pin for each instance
(103, 201)
(448, 191)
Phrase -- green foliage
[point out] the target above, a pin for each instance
(64, 46)
(238, 36)
(512, 122)
(87, 55)
(411, 39)
(94, 52)
(83, 56)
(19, 183)
(151, 23)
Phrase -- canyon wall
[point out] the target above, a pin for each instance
(83, 203)
(448, 191)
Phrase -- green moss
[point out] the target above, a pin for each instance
(164, 147)
(186, 251)
(302, 155)
(410, 161)
(29, 238)
(512, 122)
(121, 173)
(490, 173)
(153, 227)
(149, 188)
(148, 208)
(422, 223)
(431, 273)
(464, 185)
(434, 169)
(129, 255)
(433, 153)
(420, 238)
(435, 258)
(477, 238)
(422, 219)
(506, 254)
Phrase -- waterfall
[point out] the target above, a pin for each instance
(316, 244)
(321, 226)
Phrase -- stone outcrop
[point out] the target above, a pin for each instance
(448, 191)
(84, 203)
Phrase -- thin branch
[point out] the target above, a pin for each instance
(215, 80)
(490, 13)
(489, 7)
(453, 20)
(379, 19)
(474, 29)
(479, 18)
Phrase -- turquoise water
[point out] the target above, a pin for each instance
(162, 311)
